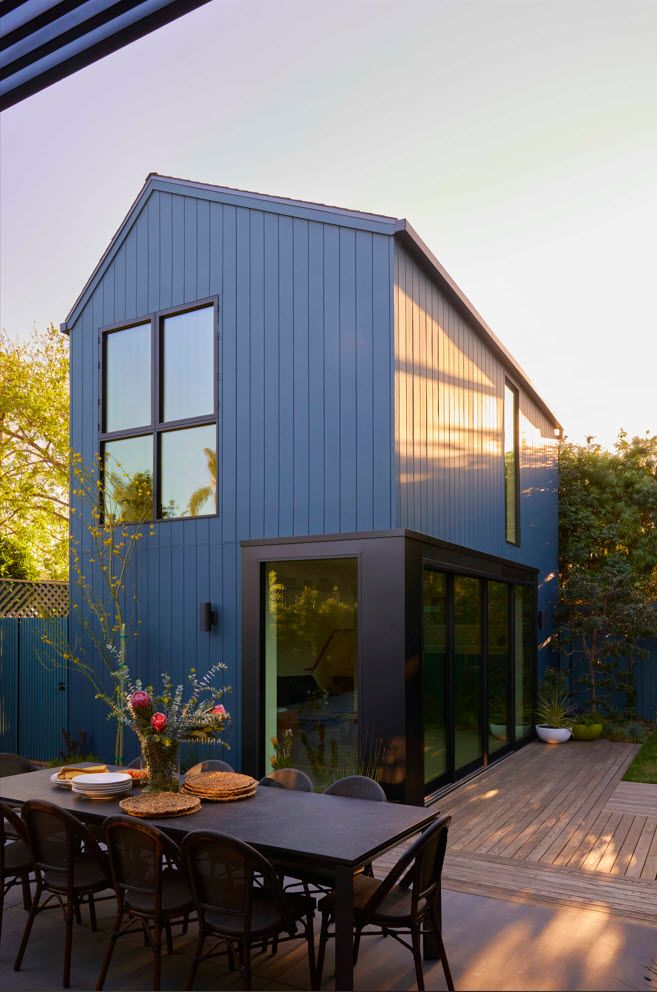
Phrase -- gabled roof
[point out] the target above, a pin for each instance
(356, 219)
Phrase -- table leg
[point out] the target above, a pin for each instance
(344, 930)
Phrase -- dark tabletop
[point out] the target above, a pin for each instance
(283, 823)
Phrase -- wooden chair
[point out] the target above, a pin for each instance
(70, 867)
(14, 764)
(16, 861)
(405, 902)
(288, 778)
(357, 787)
(234, 910)
(211, 765)
(151, 887)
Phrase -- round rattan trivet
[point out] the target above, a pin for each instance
(160, 804)
(220, 786)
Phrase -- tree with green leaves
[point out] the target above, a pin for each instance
(34, 449)
(15, 560)
(608, 560)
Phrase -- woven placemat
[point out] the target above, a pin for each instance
(160, 804)
(220, 786)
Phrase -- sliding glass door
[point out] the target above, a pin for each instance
(467, 672)
(499, 664)
(478, 676)
(434, 675)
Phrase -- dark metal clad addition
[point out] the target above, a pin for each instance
(43, 42)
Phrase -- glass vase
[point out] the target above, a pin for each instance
(161, 759)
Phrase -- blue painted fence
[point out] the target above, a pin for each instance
(33, 693)
(645, 680)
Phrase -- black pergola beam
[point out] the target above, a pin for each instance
(42, 42)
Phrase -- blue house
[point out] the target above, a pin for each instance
(342, 460)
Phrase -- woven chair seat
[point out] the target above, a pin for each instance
(18, 857)
(87, 874)
(176, 895)
(396, 907)
(266, 918)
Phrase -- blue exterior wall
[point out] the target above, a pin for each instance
(353, 396)
(305, 403)
(449, 406)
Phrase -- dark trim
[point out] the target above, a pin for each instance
(157, 427)
(511, 386)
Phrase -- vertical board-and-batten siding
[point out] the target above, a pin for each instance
(449, 422)
(305, 404)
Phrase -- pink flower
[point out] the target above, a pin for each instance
(140, 700)
(220, 710)
(158, 722)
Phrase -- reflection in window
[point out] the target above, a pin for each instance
(311, 668)
(499, 658)
(188, 472)
(433, 678)
(128, 479)
(467, 670)
(511, 501)
(187, 358)
(523, 600)
(128, 378)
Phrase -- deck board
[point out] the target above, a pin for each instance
(555, 824)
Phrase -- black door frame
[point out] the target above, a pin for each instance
(390, 639)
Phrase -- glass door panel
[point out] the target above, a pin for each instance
(467, 671)
(499, 665)
(435, 660)
(311, 664)
(523, 605)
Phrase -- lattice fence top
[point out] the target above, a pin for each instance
(33, 599)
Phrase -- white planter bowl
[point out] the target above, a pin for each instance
(553, 735)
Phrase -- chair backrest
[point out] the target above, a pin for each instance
(289, 778)
(357, 787)
(12, 828)
(14, 764)
(421, 863)
(211, 765)
(57, 837)
(136, 852)
(221, 870)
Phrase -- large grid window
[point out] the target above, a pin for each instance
(158, 429)
(511, 466)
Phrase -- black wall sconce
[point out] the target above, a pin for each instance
(208, 617)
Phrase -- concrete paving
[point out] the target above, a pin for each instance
(492, 944)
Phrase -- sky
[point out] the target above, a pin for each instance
(519, 137)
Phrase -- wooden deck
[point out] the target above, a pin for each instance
(556, 824)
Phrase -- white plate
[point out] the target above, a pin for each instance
(101, 780)
(100, 795)
(63, 783)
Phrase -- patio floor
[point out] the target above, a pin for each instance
(556, 824)
(549, 883)
(492, 944)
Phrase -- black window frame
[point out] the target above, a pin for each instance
(511, 386)
(158, 427)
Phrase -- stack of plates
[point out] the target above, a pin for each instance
(106, 785)
(220, 787)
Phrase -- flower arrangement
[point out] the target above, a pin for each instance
(163, 721)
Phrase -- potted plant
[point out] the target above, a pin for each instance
(554, 708)
(587, 727)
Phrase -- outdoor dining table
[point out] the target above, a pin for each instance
(308, 828)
